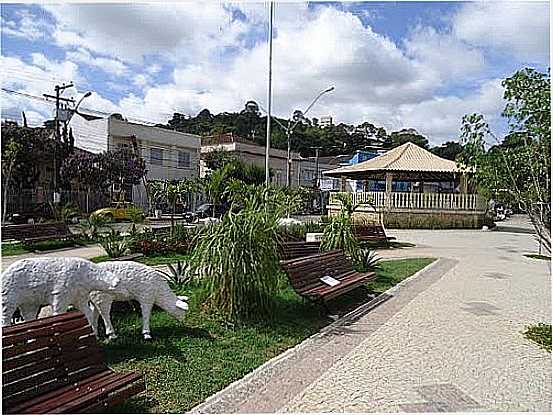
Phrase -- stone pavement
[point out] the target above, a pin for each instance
(449, 339)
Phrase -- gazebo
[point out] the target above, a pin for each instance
(438, 193)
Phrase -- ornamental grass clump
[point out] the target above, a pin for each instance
(339, 231)
(238, 258)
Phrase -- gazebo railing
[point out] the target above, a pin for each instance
(417, 201)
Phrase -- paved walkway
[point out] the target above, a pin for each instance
(81, 252)
(449, 339)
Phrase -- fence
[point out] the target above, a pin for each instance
(36, 201)
(418, 201)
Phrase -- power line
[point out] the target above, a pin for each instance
(43, 99)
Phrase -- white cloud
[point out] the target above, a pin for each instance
(444, 54)
(175, 31)
(520, 29)
(28, 26)
(397, 85)
(108, 65)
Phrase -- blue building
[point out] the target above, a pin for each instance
(373, 185)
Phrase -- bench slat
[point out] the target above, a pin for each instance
(45, 361)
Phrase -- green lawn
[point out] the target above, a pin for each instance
(149, 260)
(190, 360)
(10, 249)
(392, 272)
(540, 334)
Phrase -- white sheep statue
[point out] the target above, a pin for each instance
(142, 283)
(28, 284)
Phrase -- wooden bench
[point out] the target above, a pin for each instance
(30, 233)
(292, 250)
(54, 365)
(305, 275)
(372, 233)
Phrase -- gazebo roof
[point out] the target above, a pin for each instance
(406, 158)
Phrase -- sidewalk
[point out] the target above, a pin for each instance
(81, 252)
(448, 340)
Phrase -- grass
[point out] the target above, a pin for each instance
(149, 260)
(10, 249)
(188, 361)
(537, 256)
(392, 272)
(540, 334)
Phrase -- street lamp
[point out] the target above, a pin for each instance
(297, 117)
(86, 95)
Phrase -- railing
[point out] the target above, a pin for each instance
(417, 201)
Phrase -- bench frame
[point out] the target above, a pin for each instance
(55, 365)
(305, 273)
(45, 232)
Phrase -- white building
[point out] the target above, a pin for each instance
(302, 170)
(325, 121)
(168, 154)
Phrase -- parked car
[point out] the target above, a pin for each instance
(206, 210)
(118, 211)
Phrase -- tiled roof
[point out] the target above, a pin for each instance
(407, 157)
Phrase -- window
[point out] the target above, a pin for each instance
(156, 156)
(184, 160)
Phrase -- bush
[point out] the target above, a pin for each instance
(367, 260)
(238, 258)
(338, 234)
(114, 245)
(298, 232)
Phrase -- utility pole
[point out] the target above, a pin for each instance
(58, 90)
(269, 95)
(316, 166)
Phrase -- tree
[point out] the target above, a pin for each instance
(102, 171)
(516, 169)
(448, 150)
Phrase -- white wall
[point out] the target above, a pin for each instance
(169, 141)
(90, 135)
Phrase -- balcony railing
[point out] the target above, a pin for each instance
(417, 201)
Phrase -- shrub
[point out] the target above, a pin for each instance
(238, 258)
(180, 276)
(90, 227)
(367, 260)
(114, 245)
(338, 234)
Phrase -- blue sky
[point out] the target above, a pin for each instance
(415, 65)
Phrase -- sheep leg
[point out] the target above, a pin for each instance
(104, 309)
(59, 304)
(83, 306)
(146, 311)
(7, 313)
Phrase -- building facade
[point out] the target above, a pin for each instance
(169, 155)
(302, 170)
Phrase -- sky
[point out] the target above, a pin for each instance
(419, 65)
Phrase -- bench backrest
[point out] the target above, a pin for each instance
(305, 273)
(46, 354)
(21, 232)
(291, 250)
(370, 230)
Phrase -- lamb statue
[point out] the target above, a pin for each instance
(28, 284)
(142, 283)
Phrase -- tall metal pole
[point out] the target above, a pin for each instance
(269, 94)
(288, 159)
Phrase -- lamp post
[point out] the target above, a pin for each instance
(86, 95)
(297, 117)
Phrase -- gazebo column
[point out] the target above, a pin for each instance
(366, 185)
(343, 183)
(388, 194)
